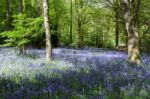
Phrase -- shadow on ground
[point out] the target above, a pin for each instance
(109, 82)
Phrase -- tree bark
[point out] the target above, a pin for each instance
(117, 25)
(47, 30)
(57, 24)
(80, 42)
(38, 8)
(80, 18)
(117, 30)
(8, 15)
(38, 14)
(71, 16)
(20, 10)
(20, 6)
(131, 25)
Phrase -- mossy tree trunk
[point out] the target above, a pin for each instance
(130, 10)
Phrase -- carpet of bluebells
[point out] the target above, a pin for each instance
(89, 73)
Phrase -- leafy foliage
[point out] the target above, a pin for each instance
(21, 34)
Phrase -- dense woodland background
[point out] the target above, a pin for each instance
(77, 23)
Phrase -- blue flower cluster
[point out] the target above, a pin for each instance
(89, 73)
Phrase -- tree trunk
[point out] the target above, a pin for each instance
(38, 14)
(71, 14)
(57, 24)
(80, 18)
(8, 15)
(47, 30)
(117, 25)
(80, 42)
(117, 30)
(20, 10)
(131, 25)
(38, 10)
(57, 34)
(23, 50)
(20, 6)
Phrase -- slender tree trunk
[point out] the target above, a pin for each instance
(96, 35)
(80, 43)
(117, 25)
(56, 24)
(71, 14)
(117, 30)
(8, 15)
(103, 39)
(79, 10)
(131, 26)
(38, 10)
(20, 6)
(47, 30)
(57, 35)
(20, 10)
(38, 14)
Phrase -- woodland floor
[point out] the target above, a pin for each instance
(89, 73)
